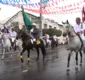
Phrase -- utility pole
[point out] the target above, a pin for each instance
(41, 18)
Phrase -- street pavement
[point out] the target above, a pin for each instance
(53, 68)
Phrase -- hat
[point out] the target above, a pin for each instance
(34, 24)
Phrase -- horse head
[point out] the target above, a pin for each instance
(68, 29)
(24, 35)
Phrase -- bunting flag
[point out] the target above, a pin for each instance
(27, 21)
(14, 2)
(54, 6)
(44, 1)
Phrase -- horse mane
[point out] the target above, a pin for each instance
(24, 35)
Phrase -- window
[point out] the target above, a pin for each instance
(50, 26)
(45, 26)
(54, 27)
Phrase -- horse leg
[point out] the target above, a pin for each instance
(52, 44)
(37, 53)
(76, 58)
(28, 59)
(10, 51)
(43, 52)
(3, 53)
(69, 56)
(81, 58)
(2, 48)
(14, 45)
(22, 54)
(56, 43)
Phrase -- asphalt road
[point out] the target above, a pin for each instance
(53, 68)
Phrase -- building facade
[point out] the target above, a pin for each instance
(17, 19)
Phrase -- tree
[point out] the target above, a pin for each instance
(52, 32)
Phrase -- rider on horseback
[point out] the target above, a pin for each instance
(35, 32)
(79, 30)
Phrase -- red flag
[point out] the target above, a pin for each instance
(83, 14)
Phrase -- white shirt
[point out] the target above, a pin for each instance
(13, 35)
(32, 30)
(79, 28)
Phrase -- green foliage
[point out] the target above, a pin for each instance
(52, 32)
(64, 34)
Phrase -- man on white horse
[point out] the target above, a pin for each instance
(79, 30)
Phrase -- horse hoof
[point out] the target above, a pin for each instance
(28, 59)
(68, 69)
(22, 61)
(81, 64)
(76, 66)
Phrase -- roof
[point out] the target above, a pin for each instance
(60, 25)
(17, 14)
(28, 15)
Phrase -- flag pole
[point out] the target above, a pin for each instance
(40, 17)
(82, 13)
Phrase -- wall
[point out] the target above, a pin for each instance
(19, 18)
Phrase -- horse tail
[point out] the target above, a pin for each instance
(43, 47)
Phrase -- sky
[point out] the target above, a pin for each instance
(8, 11)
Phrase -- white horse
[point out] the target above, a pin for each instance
(74, 43)
(6, 44)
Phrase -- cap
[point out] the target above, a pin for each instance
(34, 24)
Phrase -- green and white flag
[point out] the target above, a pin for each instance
(27, 21)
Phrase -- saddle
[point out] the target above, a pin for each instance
(35, 41)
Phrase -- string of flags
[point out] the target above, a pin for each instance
(49, 6)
